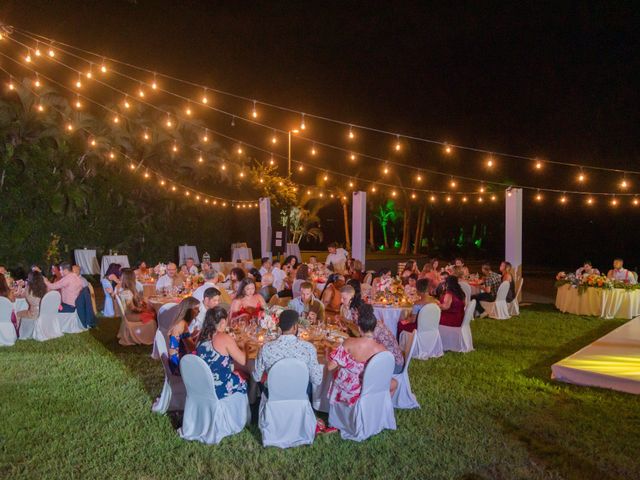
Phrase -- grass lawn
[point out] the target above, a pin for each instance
(79, 407)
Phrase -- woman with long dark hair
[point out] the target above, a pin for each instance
(247, 301)
(220, 350)
(302, 275)
(181, 341)
(36, 289)
(109, 283)
(331, 294)
(452, 303)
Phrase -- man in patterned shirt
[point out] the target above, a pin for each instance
(491, 282)
(288, 345)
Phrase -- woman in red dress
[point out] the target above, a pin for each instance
(248, 302)
(452, 303)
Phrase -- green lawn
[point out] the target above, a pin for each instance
(79, 407)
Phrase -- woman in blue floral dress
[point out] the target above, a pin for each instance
(221, 352)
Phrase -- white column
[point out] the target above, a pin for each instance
(359, 227)
(265, 227)
(513, 228)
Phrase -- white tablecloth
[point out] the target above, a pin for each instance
(294, 249)
(606, 303)
(188, 251)
(87, 261)
(391, 316)
(241, 253)
(123, 260)
(225, 267)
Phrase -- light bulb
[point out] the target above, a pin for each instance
(274, 139)
(38, 52)
(482, 189)
(397, 147)
(538, 197)
(493, 198)
(385, 171)
(464, 199)
(103, 68)
(204, 99)
(78, 104)
(154, 84)
(112, 155)
(93, 142)
(162, 182)
(146, 136)
(27, 58)
(37, 83)
(223, 167)
(432, 198)
(69, 127)
(480, 200)
(254, 112)
(313, 151)
(419, 178)
(563, 199)
(89, 74)
(453, 183)
(188, 110)
(187, 193)
(538, 165)
(175, 147)
(447, 149)
(350, 184)
(448, 199)
(140, 92)
(308, 192)
(169, 123)
(239, 150)
(126, 103)
(51, 53)
(11, 85)
(205, 137)
(413, 196)
(589, 201)
(302, 124)
(581, 177)
(132, 166)
(116, 119)
(635, 201)
(373, 189)
(200, 159)
(490, 163)
(78, 83)
(272, 161)
(146, 174)
(614, 202)
(300, 168)
(40, 107)
(351, 134)
(352, 156)
(624, 183)
(173, 188)
(241, 174)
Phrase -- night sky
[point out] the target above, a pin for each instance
(555, 81)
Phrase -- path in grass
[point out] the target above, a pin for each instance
(79, 407)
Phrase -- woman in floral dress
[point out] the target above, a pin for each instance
(349, 360)
(219, 350)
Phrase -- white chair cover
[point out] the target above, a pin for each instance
(466, 288)
(198, 293)
(166, 316)
(8, 334)
(286, 418)
(47, 325)
(368, 278)
(459, 339)
(428, 341)
(403, 397)
(498, 309)
(173, 392)
(134, 333)
(206, 418)
(514, 306)
(70, 322)
(373, 412)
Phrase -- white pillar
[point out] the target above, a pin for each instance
(513, 228)
(265, 227)
(359, 227)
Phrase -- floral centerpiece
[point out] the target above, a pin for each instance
(160, 269)
(269, 318)
(391, 291)
(592, 281)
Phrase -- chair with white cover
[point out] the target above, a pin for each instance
(428, 342)
(8, 334)
(198, 293)
(514, 306)
(70, 322)
(368, 278)
(46, 326)
(206, 418)
(459, 339)
(286, 418)
(166, 316)
(466, 288)
(134, 333)
(373, 411)
(499, 308)
(173, 392)
(403, 397)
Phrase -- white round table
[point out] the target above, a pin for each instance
(391, 316)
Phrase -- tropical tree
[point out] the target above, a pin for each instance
(386, 214)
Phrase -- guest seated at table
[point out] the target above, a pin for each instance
(302, 275)
(410, 323)
(221, 352)
(287, 345)
(33, 293)
(278, 276)
(439, 291)
(452, 303)
(254, 274)
(350, 359)
(292, 261)
(136, 308)
(430, 272)
(267, 290)
(56, 274)
(507, 276)
(247, 302)
(383, 275)
(76, 269)
(181, 340)
(410, 285)
(192, 269)
(69, 285)
(266, 265)
(459, 263)
(409, 268)
(330, 296)
(621, 274)
(184, 271)
(313, 262)
(350, 302)
(5, 290)
(586, 269)
(210, 299)
(383, 336)
(171, 279)
(355, 270)
(141, 271)
(307, 305)
(109, 282)
(490, 283)
(236, 276)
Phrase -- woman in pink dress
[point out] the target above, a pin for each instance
(452, 303)
(349, 361)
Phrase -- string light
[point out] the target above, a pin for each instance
(79, 81)
(397, 146)
(418, 178)
(464, 199)
(69, 127)
(173, 188)
(373, 189)
(393, 193)
(274, 138)
(103, 67)
(453, 183)
(538, 165)
(614, 202)
(635, 201)
(589, 201)
(351, 134)
(300, 168)
(480, 200)
(447, 149)
(169, 123)
(126, 103)
(272, 162)
(37, 51)
(200, 158)
(432, 198)
(313, 150)
(490, 162)
(352, 156)
(563, 199)
(385, 170)
(350, 184)
(154, 83)
(538, 196)
(302, 124)
(89, 73)
(146, 174)
(493, 198)
(162, 182)
(223, 167)
(116, 119)
(145, 135)
(78, 104)
(448, 199)
(240, 150)
(11, 84)
(40, 107)
(140, 91)
(254, 112)
(27, 57)
(325, 177)
(413, 196)
(188, 110)
(205, 137)
(581, 177)
(112, 155)
(624, 184)
(36, 82)
(51, 52)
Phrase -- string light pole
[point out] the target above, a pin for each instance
(288, 216)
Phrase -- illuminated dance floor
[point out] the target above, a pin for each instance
(612, 361)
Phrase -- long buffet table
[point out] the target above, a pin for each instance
(599, 302)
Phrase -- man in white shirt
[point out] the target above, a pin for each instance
(621, 274)
(587, 269)
(210, 299)
(266, 266)
(170, 279)
(337, 257)
(278, 276)
(191, 266)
